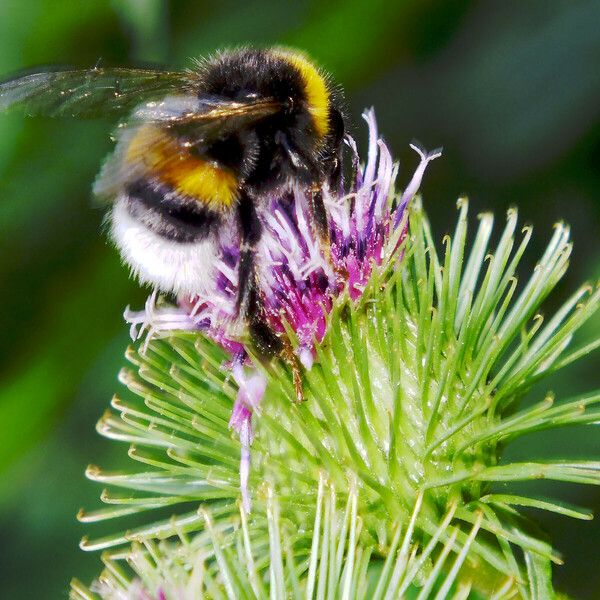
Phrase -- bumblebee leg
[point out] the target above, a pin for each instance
(264, 339)
(321, 230)
(246, 279)
(336, 177)
(288, 355)
(248, 303)
(250, 233)
(319, 213)
(319, 220)
(333, 177)
(337, 159)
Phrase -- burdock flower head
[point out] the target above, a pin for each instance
(301, 273)
(386, 480)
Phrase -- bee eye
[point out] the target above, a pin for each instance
(289, 104)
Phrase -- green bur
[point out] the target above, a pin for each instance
(387, 481)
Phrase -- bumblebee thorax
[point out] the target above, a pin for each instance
(287, 146)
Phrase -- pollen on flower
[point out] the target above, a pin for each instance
(300, 275)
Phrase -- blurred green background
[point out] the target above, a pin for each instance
(510, 89)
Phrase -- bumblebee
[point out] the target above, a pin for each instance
(200, 150)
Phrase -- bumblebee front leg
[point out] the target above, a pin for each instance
(321, 230)
(332, 176)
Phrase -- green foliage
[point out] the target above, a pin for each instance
(392, 465)
(267, 555)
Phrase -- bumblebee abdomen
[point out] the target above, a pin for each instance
(158, 155)
(168, 213)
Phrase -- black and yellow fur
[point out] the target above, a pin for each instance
(200, 150)
(193, 182)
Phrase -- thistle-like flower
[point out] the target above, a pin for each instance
(383, 482)
(300, 274)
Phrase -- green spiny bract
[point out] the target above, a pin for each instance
(382, 482)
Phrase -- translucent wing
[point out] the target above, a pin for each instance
(167, 98)
(89, 93)
(204, 118)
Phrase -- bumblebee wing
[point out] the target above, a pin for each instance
(178, 131)
(89, 93)
(202, 119)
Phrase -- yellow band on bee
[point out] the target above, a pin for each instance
(161, 156)
(317, 94)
